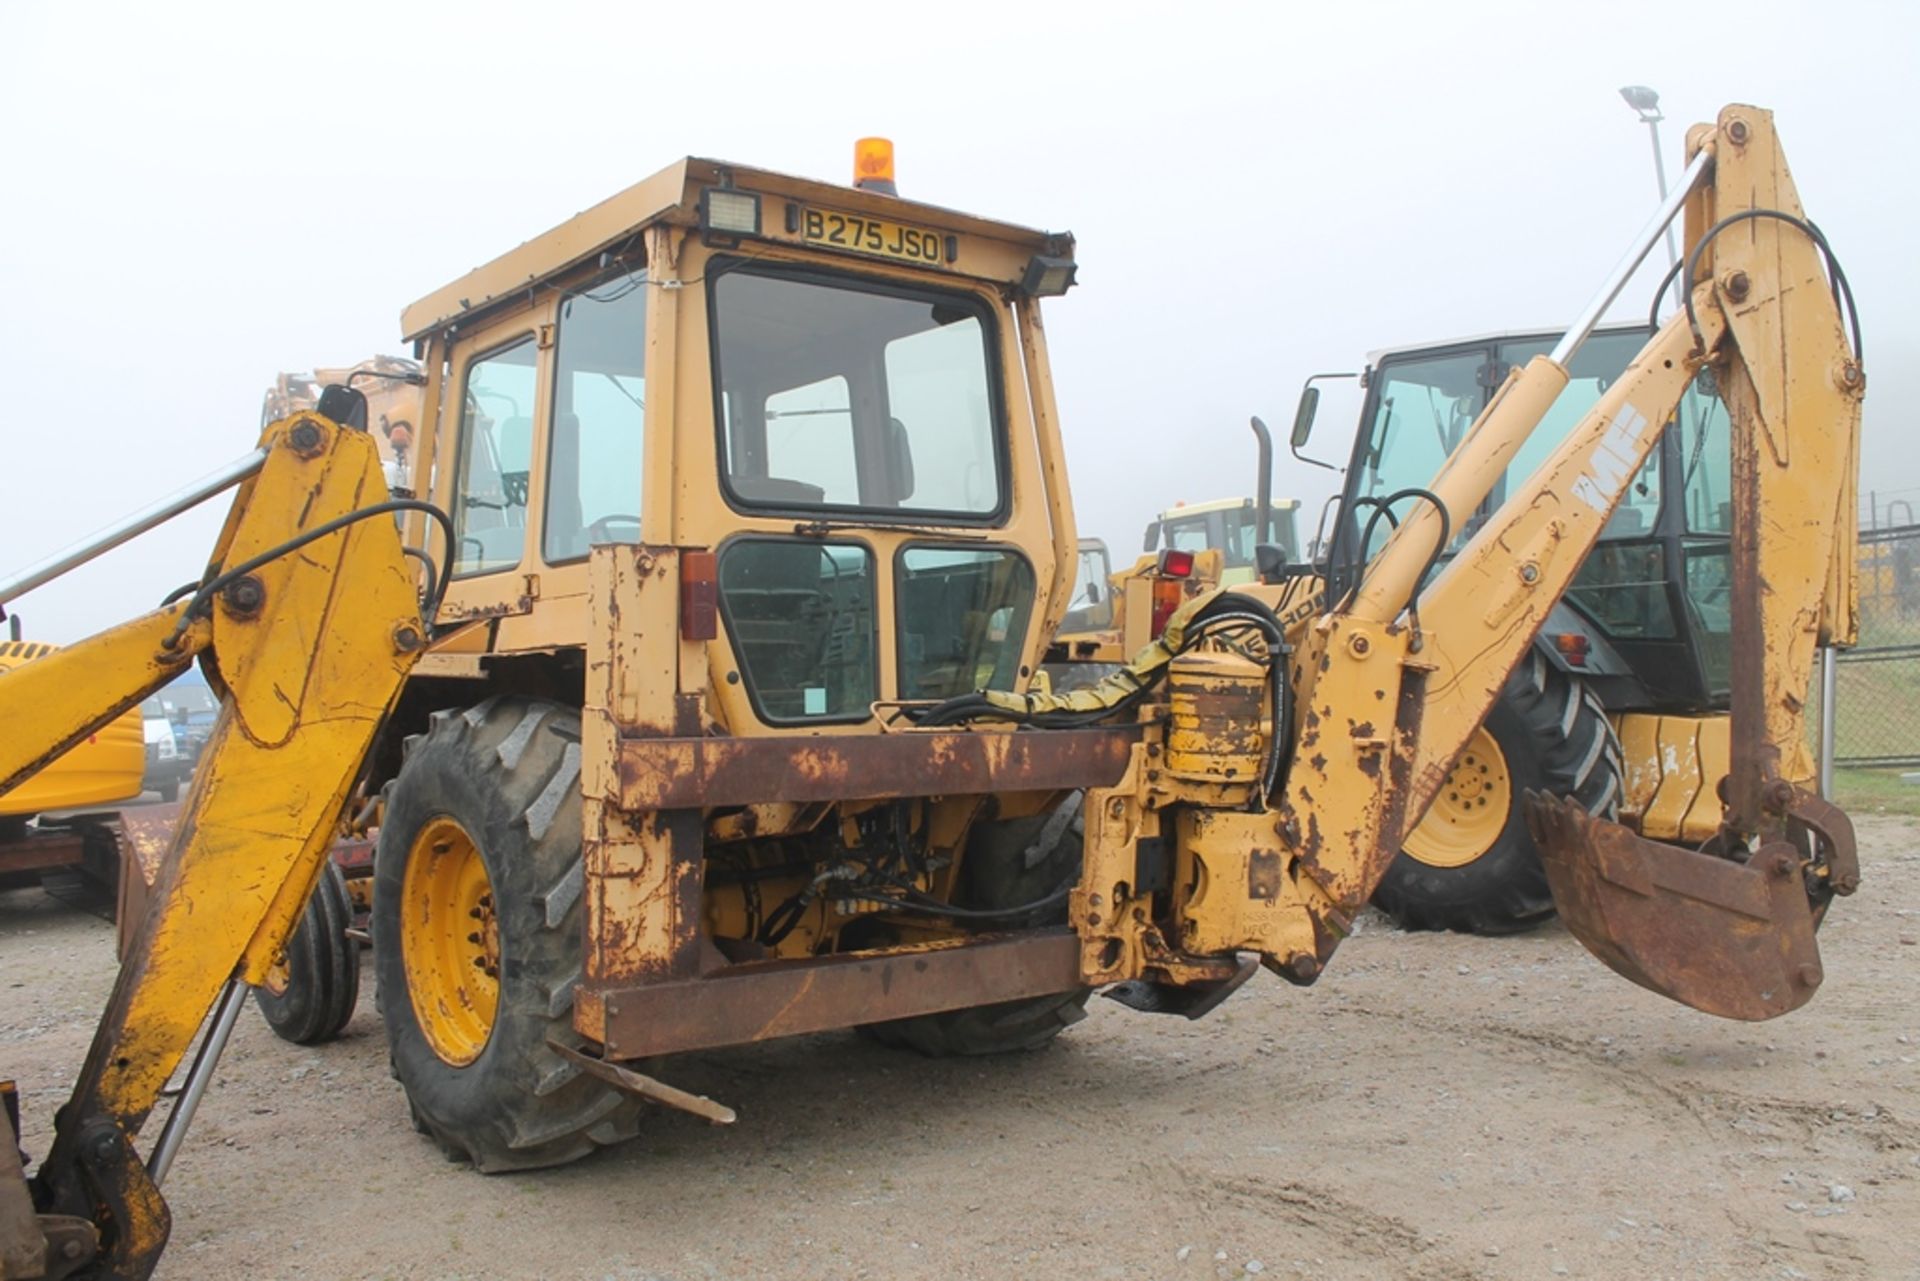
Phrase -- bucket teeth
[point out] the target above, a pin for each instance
(1729, 938)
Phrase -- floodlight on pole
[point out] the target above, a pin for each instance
(1646, 104)
(1643, 100)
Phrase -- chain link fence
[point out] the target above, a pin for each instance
(1877, 684)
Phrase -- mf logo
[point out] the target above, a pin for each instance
(1612, 461)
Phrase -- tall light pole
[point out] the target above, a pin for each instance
(1646, 104)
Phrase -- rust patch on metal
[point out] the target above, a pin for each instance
(148, 833)
(764, 999)
(685, 837)
(454, 612)
(1832, 833)
(1732, 939)
(706, 773)
(42, 852)
(1264, 875)
(650, 1088)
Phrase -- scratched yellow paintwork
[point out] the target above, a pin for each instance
(1797, 413)
(310, 678)
(1672, 766)
(637, 921)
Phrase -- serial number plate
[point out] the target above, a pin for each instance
(871, 236)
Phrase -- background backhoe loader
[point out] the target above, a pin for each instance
(707, 717)
(62, 819)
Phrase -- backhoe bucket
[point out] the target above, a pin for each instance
(1732, 939)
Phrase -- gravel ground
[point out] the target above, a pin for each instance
(1437, 1107)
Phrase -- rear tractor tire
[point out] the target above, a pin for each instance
(311, 994)
(1471, 864)
(1007, 863)
(477, 939)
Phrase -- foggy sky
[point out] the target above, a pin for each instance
(200, 197)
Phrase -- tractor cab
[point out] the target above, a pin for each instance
(833, 401)
(1229, 526)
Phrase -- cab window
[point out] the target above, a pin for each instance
(800, 615)
(1091, 606)
(1187, 535)
(839, 393)
(496, 442)
(963, 615)
(599, 419)
(1427, 405)
(1599, 362)
(1706, 457)
(1424, 408)
(810, 439)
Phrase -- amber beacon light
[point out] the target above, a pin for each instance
(873, 166)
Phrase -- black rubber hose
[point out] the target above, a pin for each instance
(202, 598)
(1842, 288)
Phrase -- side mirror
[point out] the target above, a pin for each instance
(1153, 536)
(899, 460)
(1303, 416)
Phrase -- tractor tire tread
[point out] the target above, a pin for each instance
(1558, 739)
(508, 769)
(323, 964)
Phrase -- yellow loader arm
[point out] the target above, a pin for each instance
(308, 623)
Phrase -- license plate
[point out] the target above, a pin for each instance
(875, 236)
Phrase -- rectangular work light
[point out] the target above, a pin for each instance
(1048, 277)
(729, 213)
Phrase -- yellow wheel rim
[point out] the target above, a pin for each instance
(450, 941)
(1470, 810)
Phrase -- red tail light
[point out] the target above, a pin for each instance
(1573, 647)
(699, 597)
(1176, 564)
(1167, 595)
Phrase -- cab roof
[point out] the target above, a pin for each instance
(1223, 505)
(1544, 333)
(989, 250)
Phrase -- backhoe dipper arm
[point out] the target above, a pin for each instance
(1393, 684)
(309, 649)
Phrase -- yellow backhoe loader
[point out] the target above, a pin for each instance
(702, 712)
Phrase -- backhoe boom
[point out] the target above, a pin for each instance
(1397, 679)
(309, 649)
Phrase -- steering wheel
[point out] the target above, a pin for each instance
(601, 531)
(513, 485)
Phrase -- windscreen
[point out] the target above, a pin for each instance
(839, 393)
(1426, 404)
